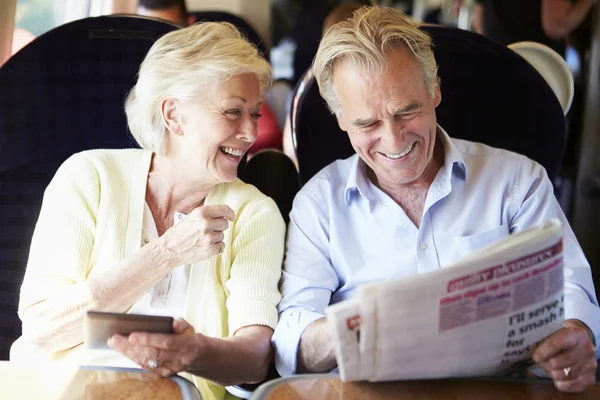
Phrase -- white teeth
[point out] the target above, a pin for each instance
(399, 155)
(232, 152)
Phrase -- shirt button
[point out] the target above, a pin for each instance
(146, 241)
(423, 246)
(161, 293)
(179, 216)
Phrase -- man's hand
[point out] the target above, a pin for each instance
(568, 356)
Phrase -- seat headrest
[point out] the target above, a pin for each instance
(490, 94)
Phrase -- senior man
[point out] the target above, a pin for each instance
(411, 200)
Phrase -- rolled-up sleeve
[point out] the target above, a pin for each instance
(308, 278)
(538, 205)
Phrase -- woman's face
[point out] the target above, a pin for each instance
(212, 134)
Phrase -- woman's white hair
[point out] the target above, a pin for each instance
(366, 39)
(183, 65)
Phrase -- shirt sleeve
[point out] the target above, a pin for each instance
(308, 278)
(535, 194)
(256, 269)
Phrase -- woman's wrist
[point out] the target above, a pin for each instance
(204, 355)
(162, 255)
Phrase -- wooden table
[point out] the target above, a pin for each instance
(330, 387)
(70, 383)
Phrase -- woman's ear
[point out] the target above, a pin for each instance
(171, 112)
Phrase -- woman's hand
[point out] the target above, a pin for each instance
(199, 235)
(161, 354)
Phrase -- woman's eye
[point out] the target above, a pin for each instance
(234, 112)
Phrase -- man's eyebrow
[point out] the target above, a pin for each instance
(410, 108)
(362, 122)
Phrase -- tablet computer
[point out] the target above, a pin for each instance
(98, 327)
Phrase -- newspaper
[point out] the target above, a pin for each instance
(476, 317)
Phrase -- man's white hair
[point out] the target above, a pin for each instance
(183, 65)
(366, 39)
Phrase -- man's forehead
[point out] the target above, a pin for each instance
(350, 68)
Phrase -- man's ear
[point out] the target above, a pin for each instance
(171, 116)
(437, 97)
(339, 117)
(191, 20)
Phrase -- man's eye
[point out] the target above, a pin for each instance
(256, 115)
(409, 115)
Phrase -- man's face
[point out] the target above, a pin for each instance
(390, 118)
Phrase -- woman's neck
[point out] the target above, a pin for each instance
(168, 191)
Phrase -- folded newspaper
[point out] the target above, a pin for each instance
(476, 317)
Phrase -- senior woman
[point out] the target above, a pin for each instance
(167, 229)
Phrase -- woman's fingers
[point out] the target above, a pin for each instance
(162, 355)
(214, 225)
(218, 211)
(200, 235)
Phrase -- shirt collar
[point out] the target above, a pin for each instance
(454, 162)
(358, 183)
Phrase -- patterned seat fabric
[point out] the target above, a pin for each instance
(238, 22)
(61, 94)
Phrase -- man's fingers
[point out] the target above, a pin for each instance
(571, 357)
(219, 211)
(558, 342)
(575, 385)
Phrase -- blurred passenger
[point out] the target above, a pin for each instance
(168, 10)
(548, 22)
(543, 21)
(337, 14)
(269, 132)
(396, 208)
(21, 38)
(167, 229)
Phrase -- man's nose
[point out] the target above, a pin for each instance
(394, 134)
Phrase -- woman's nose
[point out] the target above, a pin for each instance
(248, 131)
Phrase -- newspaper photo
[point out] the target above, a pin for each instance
(476, 317)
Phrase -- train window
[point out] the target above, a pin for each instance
(35, 16)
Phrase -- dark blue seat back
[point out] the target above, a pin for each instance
(240, 23)
(489, 94)
(61, 94)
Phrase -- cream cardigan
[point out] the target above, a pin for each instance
(91, 218)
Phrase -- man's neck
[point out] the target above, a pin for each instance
(411, 197)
